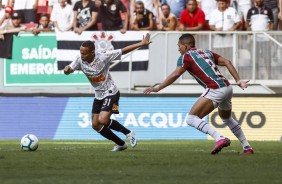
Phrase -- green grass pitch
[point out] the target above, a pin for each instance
(151, 162)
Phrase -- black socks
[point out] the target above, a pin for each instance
(107, 133)
(115, 125)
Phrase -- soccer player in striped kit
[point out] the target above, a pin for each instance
(95, 65)
(202, 65)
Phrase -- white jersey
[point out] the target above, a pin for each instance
(225, 19)
(98, 73)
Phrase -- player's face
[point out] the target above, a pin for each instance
(182, 48)
(87, 54)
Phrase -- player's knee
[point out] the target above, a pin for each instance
(95, 126)
(191, 120)
(103, 121)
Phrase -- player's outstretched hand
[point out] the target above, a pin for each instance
(243, 84)
(67, 70)
(151, 89)
(146, 40)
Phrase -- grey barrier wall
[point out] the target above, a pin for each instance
(257, 56)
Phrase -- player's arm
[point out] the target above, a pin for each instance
(168, 81)
(146, 41)
(228, 64)
(68, 70)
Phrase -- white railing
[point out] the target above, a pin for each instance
(262, 66)
(240, 47)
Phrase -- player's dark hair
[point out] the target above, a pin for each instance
(89, 44)
(187, 39)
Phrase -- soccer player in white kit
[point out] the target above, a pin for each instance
(95, 65)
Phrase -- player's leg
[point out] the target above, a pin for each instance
(115, 125)
(203, 106)
(111, 104)
(224, 111)
(107, 133)
(102, 128)
(200, 109)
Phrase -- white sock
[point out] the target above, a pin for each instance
(203, 126)
(237, 131)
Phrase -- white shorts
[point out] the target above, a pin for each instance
(221, 97)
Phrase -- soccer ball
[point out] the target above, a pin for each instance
(29, 142)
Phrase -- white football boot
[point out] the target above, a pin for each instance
(120, 148)
(132, 139)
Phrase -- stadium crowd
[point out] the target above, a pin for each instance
(164, 15)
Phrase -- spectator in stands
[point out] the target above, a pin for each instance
(52, 3)
(85, 16)
(143, 19)
(176, 6)
(192, 18)
(110, 10)
(5, 13)
(208, 6)
(260, 18)
(273, 5)
(224, 18)
(43, 26)
(168, 21)
(151, 5)
(27, 9)
(12, 25)
(62, 16)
